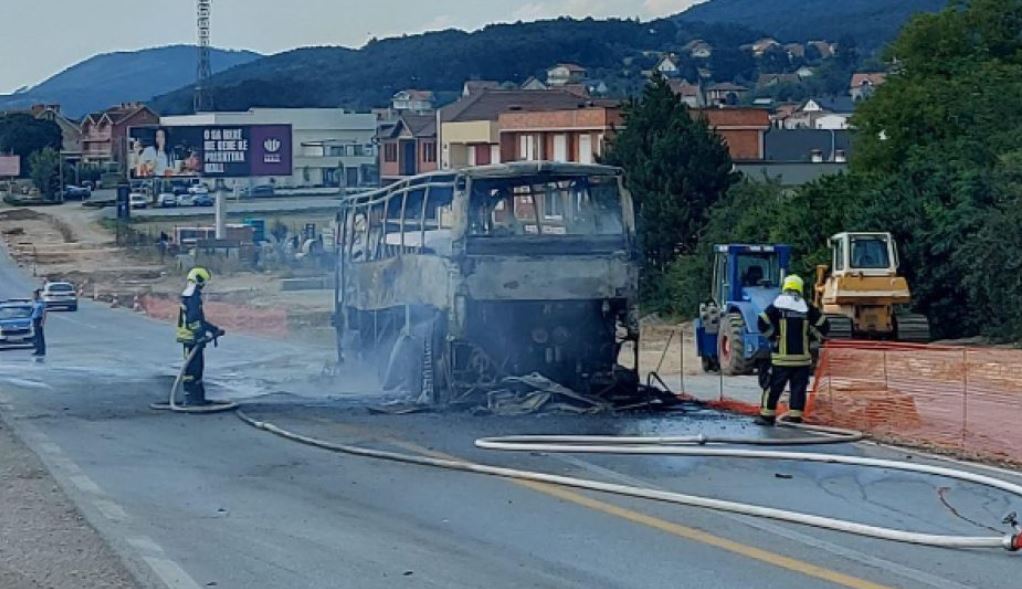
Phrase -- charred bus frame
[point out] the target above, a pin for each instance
(452, 280)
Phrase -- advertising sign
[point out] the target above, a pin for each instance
(10, 166)
(215, 151)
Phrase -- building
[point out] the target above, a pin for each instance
(726, 93)
(407, 147)
(864, 84)
(743, 129)
(668, 66)
(698, 49)
(825, 49)
(70, 131)
(413, 100)
(801, 156)
(473, 86)
(567, 135)
(763, 45)
(795, 50)
(105, 134)
(470, 128)
(563, 74)
(690, 94)
(331, 147)
(805, 72)
(534, 83)
(821, 113)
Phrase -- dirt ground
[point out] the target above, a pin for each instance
(44, 541)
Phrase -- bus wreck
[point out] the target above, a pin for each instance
(454, 280)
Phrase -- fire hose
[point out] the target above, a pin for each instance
(211, 407)
(695, 446)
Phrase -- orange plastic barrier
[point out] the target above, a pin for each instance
(966, 400)
(229, 316)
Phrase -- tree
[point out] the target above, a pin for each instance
(775, 61)
(676, 168)
(44, 167)
(22, 134)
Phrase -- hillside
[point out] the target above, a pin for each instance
(442, 61)
(872, 23)
(111, 78)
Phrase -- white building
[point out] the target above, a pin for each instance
(331, 146)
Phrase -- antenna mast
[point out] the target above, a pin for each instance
(203, 101)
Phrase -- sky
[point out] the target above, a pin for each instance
(55, 34)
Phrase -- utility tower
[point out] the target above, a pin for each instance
(203, 101)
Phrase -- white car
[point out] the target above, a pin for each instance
(198, 189)
(60, 295)
(186, 200)
(166, 199)
(137, 200)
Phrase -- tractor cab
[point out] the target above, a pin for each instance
(866, 254)
(746, 279)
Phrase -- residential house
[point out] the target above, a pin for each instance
(596, 88)
(105, 133)
(70, 131)
(413, 100)
(805, 72)
(796, 157)
(727, 93)
(473, 86)
(743, 129)
(704, 73)
(763, 45)
(822, 113)
(534, 83)
(470, 128)
(691, 94)
(864, 84)
(826, 49)
(331, 147)
(563, 74)
(795, 50)
(781, 114)
(698, 49)
(668, 66)
(564, 135)
(407, 147)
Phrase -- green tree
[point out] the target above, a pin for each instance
(22, 134)
(676, 168)
(45, 172)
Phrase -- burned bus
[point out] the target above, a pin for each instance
(453, 280)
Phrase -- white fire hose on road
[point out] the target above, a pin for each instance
(696, 446)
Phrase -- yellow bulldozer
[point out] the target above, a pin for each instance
(862, 294)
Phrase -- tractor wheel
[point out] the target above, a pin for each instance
(731, 346)
(840, 327)
(911, 327)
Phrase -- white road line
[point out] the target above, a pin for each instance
(848, 553)
(172, 575)
(110, 510)
(145, 544)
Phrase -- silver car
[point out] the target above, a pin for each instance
(60, 295)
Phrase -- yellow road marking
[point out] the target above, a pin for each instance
(771, 558)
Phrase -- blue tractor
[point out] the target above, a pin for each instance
(746, 279)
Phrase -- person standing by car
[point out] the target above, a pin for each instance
(38, 322)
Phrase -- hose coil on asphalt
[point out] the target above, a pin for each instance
(693, 446)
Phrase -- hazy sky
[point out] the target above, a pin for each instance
(51, 35)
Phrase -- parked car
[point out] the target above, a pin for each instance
(137, 200)
(202, 199)
(198, 189)
(186, 200)
(166, 200)
(263, 190)
(60, 295)
(16, 323)
(77, 193)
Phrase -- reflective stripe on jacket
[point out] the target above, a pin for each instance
(790, 323)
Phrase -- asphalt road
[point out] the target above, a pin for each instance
(189, 501)
(244, 207)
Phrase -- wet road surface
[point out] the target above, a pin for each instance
(189, 501)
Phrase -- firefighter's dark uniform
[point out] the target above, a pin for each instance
(192, 330)
(790, 323)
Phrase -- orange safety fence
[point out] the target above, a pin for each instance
(229, 316)
(965, 400)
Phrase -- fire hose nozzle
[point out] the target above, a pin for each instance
(1015, 543)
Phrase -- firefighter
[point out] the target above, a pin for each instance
(790, 322)
(193, 331)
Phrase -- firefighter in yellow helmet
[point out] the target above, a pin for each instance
(194, 331)
(790, 322)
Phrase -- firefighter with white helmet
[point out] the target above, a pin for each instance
(193, 331)
(790, 323)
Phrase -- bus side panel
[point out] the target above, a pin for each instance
(400, 281)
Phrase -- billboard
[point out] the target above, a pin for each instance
(10, 166)
(210, 151)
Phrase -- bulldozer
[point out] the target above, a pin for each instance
(862, 294)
